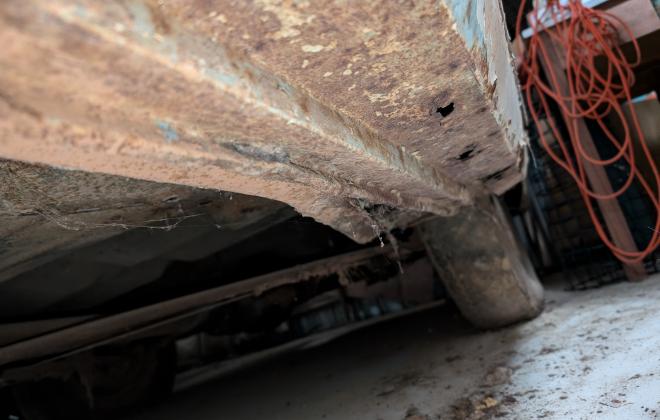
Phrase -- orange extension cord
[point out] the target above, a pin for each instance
(585, 35)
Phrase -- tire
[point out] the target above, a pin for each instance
(484, 269)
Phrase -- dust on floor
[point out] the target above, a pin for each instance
(593, 354)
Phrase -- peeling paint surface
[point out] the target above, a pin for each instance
(480, 24)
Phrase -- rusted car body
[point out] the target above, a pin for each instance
(146, 143)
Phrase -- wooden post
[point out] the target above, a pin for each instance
(612, 214)
(484, 268)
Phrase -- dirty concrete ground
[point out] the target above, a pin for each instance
(592, 354)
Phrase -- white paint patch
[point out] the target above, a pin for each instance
(312, 48)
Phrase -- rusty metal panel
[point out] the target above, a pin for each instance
(333, 108)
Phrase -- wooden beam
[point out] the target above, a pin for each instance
(639, 15)
(614, 218)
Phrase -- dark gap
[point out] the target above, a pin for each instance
(445, 110)
(497, 175)
(468, 153)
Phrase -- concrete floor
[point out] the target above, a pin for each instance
(593, 354)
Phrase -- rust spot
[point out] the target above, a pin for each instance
(304, 106)
(160, 22)
(468, 153)
(250, 76)
(259, 46)
(490, 89)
